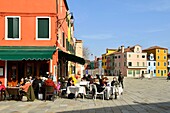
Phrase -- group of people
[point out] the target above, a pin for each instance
(37, 84)
(102, 81)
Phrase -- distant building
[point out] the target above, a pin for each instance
(168, 63)
(160, 55)
(105, 66)
(151, 63)
(130, 61)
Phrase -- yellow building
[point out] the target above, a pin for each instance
(160, 54)
(104, 60)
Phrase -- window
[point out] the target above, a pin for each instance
(12, 28)
(137, 49)
(154, 64)
(164, 51)
(143, 56)
(137, 71)
(164, 63)
(119, 56)
(149, 71)
(124, 56)
(43, 28)
(129, 55)
(124, 63)
(143, 63)
(158, 50)
(164, 57)
(158, 57)
(168, 63)
(129, 63)
(158, 71)
(158, 64)
(154, 71)
(115, 57)
(165, 71)
(63, 38)
(129, 71)
(137, 63)
(137, 56)
(149, 64)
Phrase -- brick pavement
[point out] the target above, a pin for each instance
(140, 96)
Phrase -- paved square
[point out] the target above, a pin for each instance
(140, 96)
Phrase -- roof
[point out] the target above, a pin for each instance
(154, 47)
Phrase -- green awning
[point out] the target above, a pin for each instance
(26, 52)
(71, 57)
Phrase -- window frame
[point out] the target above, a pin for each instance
(38, 38)
(6, 28)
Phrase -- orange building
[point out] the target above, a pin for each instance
(31, 34)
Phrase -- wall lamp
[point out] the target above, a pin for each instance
(61, 21)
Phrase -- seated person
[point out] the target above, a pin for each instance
(114, 82)
(49, 82)
(26, 86)
(26, 91)
(70, 82)
(22, 82)
(89, 78)
(84, 78)
(2, 89)
(99, 87)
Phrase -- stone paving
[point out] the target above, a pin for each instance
(140, 96)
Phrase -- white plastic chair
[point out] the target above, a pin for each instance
(97, 93)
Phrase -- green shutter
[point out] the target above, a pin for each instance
(10, 27)
(43, 27)
(13, 27)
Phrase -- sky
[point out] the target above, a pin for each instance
(110, 24)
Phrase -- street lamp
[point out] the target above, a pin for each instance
(61, 21)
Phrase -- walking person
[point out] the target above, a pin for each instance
(120, 79)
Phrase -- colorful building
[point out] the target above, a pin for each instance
(168, 63)
(151, 63)
(33, 39)
(104, 59)
(130, 61)
(160, 55)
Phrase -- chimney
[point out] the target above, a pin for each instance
(122, 49)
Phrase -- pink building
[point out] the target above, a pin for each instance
(130, 61)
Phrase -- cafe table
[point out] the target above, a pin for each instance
(14, 92)
(76, 90)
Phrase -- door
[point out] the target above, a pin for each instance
(151, 73)
(133, 73)
(162, 73)
(12, 72)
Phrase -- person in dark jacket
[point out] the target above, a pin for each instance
(120, 79)
(37, 83)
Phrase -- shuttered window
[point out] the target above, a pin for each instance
(12, 28)
(43, 28)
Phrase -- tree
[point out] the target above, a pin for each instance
(86, 52)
